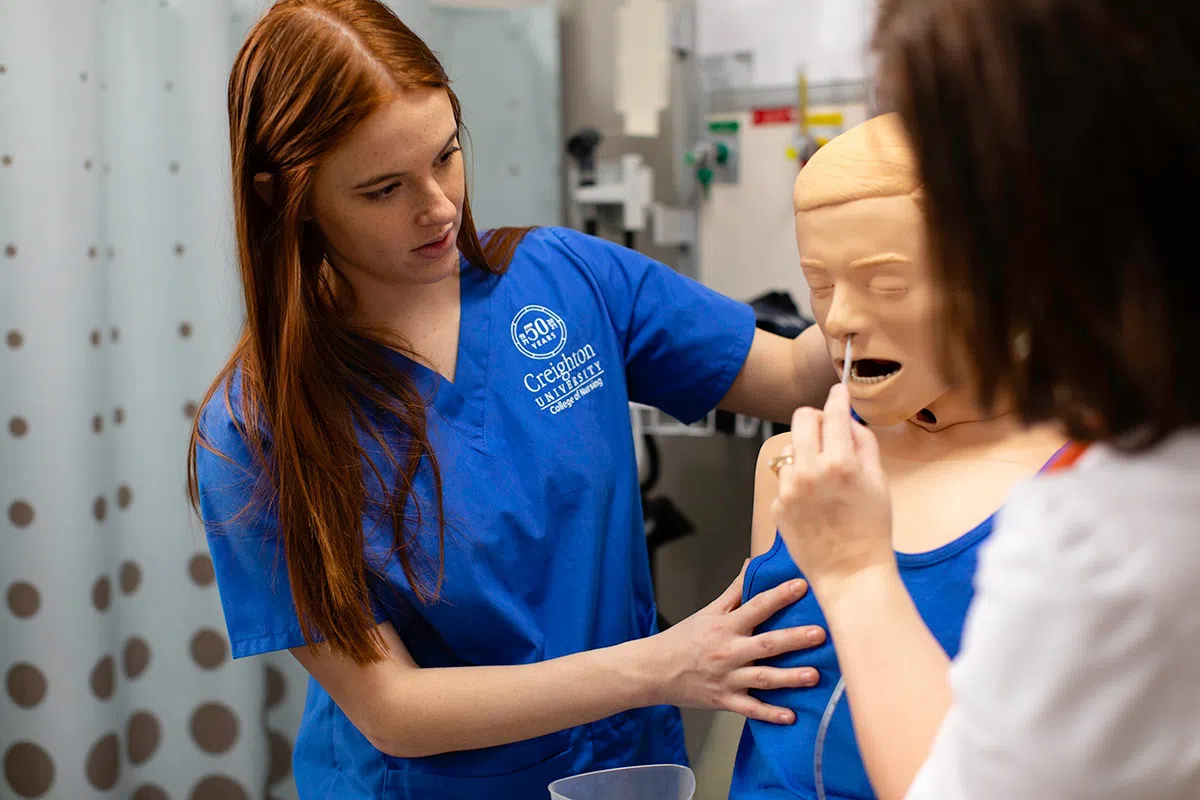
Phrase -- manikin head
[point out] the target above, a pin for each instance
(861, 234)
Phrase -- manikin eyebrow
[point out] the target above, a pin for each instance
(870, 261)
(391, 175)
(880, 260)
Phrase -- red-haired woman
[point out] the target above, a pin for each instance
(417, 472)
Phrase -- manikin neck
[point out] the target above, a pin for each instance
(957, 408)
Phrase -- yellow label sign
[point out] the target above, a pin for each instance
(832, 119)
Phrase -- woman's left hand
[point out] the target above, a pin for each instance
(834, 510)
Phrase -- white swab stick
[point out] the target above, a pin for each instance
(849, 359)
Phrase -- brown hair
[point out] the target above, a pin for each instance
(308, 73)
(1059, 146)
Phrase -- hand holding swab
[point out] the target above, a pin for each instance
(778, 462)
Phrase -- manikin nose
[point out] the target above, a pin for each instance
(842, 320)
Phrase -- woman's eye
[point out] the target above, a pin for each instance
(384, 193)
(445, 159)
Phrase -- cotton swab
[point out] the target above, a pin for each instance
(849, 359)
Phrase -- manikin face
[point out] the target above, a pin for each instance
(865, 263)
(389, 199)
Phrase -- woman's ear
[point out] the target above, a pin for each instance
(264, 185)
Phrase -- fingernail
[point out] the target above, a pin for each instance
(786, 719)
(798, 587)
(815, 636)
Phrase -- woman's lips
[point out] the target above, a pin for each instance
(438, 247)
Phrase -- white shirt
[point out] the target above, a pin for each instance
(1079, 675)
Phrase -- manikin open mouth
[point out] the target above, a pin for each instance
(873, 370)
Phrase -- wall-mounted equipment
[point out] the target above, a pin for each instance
(624, 187)
(715, 159)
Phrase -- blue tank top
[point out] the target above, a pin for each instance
(778, 761)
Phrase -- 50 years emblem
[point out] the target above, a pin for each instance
(538, 332)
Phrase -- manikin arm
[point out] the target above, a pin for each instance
(766, 489)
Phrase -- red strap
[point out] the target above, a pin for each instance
(1068, 456)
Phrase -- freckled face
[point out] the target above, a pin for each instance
(389, 200)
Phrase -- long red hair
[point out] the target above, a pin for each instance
(307, 74)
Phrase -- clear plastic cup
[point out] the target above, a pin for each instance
(655, 782)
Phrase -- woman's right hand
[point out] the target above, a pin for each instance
(708, 660)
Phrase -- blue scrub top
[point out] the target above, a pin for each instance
(778, 761)
(545, 550)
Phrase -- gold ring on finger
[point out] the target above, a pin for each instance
(777, 463)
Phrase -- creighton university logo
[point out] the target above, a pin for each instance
(561, 378)
(538, 332)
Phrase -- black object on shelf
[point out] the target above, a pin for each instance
(778, 313)
(654, 461)
(665, 523)
(774, 312)
(582, 147)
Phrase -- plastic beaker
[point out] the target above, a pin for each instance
(654, 782)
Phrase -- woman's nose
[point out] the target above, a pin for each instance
(438, 208)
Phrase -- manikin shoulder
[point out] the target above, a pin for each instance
(773, 447)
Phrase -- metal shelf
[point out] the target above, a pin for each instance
(728, 101)
(652, 422)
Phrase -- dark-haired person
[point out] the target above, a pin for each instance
(417, 471)
(1059, 150)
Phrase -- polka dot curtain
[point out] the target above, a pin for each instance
(117, 306)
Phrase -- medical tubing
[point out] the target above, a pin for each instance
(822, 732)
